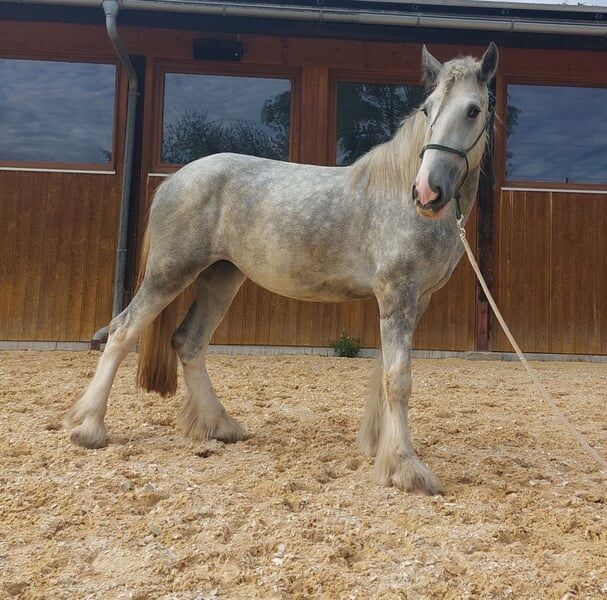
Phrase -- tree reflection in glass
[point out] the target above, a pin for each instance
(207, 114)
(369, 114)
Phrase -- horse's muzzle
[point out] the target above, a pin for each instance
(432, 210)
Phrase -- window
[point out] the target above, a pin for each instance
(556, 134)
(60, 112)
(369, 114)
(206, 114)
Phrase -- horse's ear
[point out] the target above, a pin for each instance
(430, 67)
(489, 63)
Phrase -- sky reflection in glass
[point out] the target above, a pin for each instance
(56, 111)
(557, 134)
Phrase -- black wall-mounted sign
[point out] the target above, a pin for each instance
(217, 50)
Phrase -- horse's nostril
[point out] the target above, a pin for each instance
(414, 192)
(439, 193)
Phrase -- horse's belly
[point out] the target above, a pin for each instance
(323, 293)
(307, 284)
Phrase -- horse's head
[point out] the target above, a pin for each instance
(458, 116)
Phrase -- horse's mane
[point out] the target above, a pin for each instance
(392, 166)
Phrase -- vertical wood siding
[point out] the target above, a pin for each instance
(58, 247)
(551, 268)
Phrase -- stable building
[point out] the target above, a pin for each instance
(98, 104)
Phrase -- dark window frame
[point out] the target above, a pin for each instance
(356, 76)
(227, 70)
(556, 81)
(110, 166)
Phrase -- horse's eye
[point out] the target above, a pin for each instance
(473, 112)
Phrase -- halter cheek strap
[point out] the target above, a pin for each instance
(487, 128)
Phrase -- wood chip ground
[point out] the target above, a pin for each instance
(291, 512)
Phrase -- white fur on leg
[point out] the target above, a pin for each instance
(368, 434)
(207, 424)
(396, 464)
(85, 419)
(203, 416)
(89, 434)
(88, 412)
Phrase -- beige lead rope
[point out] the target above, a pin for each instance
(532, 373)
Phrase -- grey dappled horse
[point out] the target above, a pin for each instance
(383, 227)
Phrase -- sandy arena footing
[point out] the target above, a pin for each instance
(291, 512)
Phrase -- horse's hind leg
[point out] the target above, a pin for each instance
(203, 416)
(86, 417)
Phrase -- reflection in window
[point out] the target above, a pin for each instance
(206, 114)
(369, 114)
(556, 134)
(56, 111)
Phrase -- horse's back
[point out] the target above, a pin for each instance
(253, 187)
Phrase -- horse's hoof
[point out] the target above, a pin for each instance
(413, 476)
(223, 428)
(90, 434)
(229, 430)
(408, 474)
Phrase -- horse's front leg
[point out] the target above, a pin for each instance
(396, 462)
(370, 426)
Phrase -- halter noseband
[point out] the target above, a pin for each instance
(487, 128)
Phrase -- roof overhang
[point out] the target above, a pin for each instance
(461, 15)
(590, 8)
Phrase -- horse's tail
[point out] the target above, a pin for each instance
(157, 366)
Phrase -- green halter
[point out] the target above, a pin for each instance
(487, 128)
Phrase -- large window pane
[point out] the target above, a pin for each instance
(206, 114)
(369, 114)
(56, 111)
(556, 134)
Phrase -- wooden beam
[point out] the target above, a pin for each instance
(484, 224)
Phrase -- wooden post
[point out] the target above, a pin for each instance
(484, 224)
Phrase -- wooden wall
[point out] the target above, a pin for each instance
(58, 246)
(58, 230)
(551, 267)
(548, 246)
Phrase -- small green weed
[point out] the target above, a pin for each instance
(345, 346)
